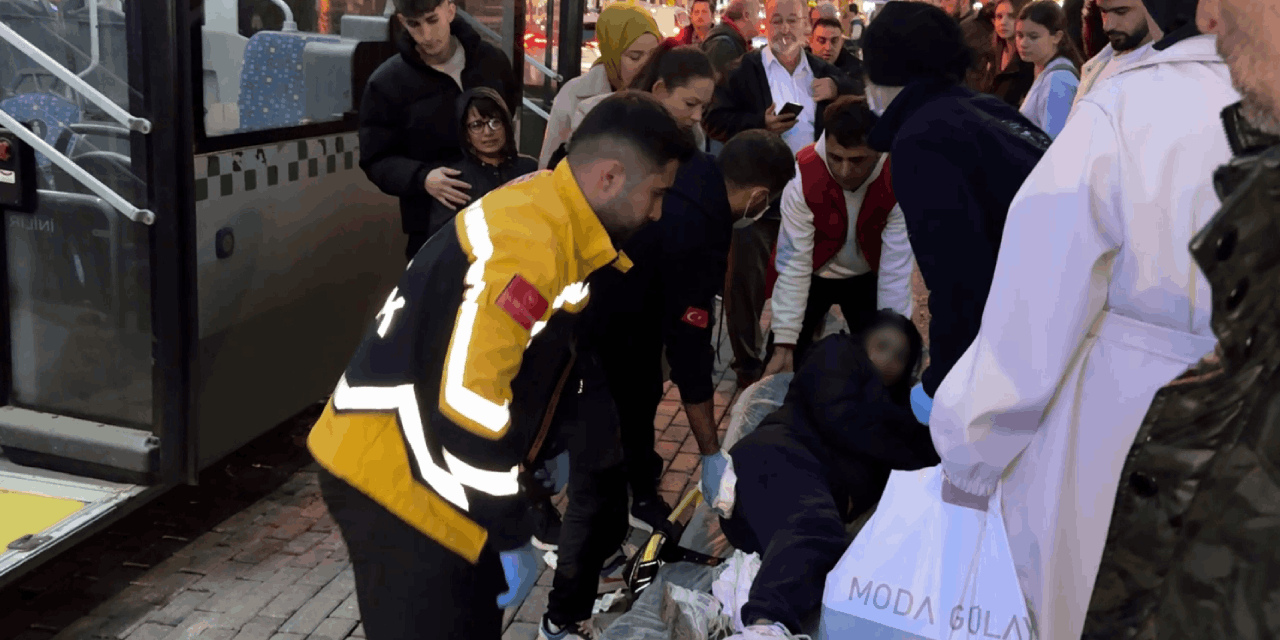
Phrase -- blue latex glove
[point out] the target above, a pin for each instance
(521, 569)
(554, 474)
(921, 404)
(713, 467)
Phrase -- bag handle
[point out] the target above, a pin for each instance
(545, 427)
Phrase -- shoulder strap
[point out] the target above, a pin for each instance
(1063, 65)
(545, 427)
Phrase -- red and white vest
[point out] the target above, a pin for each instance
(826, 200)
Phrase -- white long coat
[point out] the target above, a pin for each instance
(1096, 304)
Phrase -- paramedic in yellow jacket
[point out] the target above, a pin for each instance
(421, 442)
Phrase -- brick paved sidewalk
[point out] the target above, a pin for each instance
(278, 570)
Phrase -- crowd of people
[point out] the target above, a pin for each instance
(1047, 202)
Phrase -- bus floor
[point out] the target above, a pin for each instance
(251, 553)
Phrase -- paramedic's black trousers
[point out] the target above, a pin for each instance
(595, 520)
(856, 297)
(408, 585)
(784, 510)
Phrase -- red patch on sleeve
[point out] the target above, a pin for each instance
(696, 317)
(522, 302)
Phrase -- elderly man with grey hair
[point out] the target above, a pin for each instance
(730, 39)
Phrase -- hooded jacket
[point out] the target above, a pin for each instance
(839, 410)
(955, 208)
(408, 119)
(482, 177)
(1176, 18)
(1191, 548)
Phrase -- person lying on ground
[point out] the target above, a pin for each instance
(819, 462)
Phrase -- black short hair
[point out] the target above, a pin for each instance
(415, 8)
(674, 66)
(634, 119)
(829, 22)
(757, 158)
(847, 120)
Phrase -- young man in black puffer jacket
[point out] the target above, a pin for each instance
(408, 115)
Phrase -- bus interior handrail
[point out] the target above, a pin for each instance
(74, 81)
(544, 69)
(126, 208)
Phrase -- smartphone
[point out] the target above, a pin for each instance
(790, 108)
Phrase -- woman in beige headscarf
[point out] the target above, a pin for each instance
(627, 34)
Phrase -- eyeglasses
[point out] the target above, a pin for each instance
(476, 126)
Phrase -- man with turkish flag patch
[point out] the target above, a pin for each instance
(663, 305)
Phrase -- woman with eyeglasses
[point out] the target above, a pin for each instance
(489, 155)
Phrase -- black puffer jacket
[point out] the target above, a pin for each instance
(955, 207)
(839, 410)
(408, 119)
(724, 46)
(1193, 550)
(482, 177)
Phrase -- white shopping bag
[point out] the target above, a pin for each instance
(926, 569)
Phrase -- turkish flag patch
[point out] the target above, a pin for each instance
(522, 302)
(696, 317)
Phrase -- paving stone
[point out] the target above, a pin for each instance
(84, 627)
(324, 524)
(333, 629)
(210, 560)
(685, 463)
(267, 568)
(521, 631)
(358, 632)
(314, 509)
(668, 407)
(690, 446)
(672, 498)
(229, 597)
(681, 419)
(192, 627)
(179, 607)
(674, 433)
(288, 636)
(667, 450)
(327, 570)
(304, 542)
(218, 634)
(247, 537)
(203, 543)
(289, 601)
(49, 577)
(258, 629)
(150, 631)
(34, 634)
(125, 617)
(237, 522)
(333, 540)
(259, 550)
(348, 610)
(311, 558)
(674, 481)
(534, 606)
(308, 618)
(294, 527)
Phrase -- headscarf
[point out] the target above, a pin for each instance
(618, 27)
(1176, 18)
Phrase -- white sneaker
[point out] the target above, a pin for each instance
(584, 630)
(774, 631)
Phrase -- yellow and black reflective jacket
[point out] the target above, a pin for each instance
(445, 394)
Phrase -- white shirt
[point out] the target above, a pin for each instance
(796, 238)
(1105, 64)
(455, 64)
(794, 87)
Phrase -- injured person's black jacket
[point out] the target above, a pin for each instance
(812, 467)
(838, 408)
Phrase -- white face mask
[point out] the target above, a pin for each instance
(747, 218)
(879, 98)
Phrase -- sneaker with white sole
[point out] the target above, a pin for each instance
(773, 631)
(584, 630)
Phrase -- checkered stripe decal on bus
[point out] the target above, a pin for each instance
(234, 172)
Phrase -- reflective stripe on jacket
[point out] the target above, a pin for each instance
(445, 395)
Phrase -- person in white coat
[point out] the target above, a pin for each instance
(1095, 304)
(1125, 23)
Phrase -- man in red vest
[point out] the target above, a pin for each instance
(843, 238)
